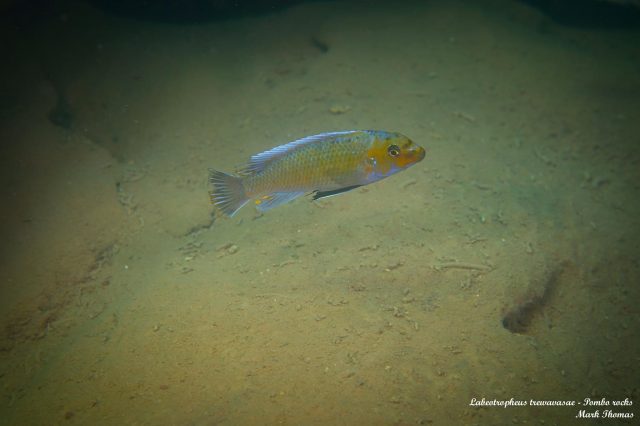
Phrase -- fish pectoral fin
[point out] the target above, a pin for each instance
(323, 194)
(275, 199)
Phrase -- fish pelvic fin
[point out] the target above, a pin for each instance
(227, 192)
(324, 194)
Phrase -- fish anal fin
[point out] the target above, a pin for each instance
(275, 199)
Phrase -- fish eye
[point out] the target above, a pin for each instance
(393, 150)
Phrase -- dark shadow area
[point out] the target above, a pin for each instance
(575, 13)
(29, 12)
(191, 11)
(589, 13)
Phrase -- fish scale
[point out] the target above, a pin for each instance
(318, 165)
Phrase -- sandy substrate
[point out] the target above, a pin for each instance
(505, 265)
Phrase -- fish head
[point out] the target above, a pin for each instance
(390, 153)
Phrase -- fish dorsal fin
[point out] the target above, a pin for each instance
(261, 161)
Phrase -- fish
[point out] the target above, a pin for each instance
(321, 165)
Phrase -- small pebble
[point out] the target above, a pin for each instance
(339, 109)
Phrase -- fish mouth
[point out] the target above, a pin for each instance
(412, 156)
(419, 153)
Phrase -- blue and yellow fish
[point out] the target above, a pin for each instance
(324, 165)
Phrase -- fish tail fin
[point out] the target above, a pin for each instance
(227, 193)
